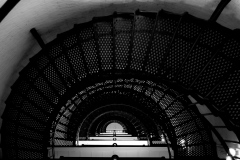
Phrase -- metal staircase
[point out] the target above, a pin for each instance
(161, 56)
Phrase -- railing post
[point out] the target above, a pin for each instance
(37, 37)
(219, 10)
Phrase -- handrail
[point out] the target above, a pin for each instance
(7, 7)
(218, 10)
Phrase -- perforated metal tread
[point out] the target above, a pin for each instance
(233, 111)
(187, 32)
(223, 74)
(166, 26)
(122, 30)
(103, 27)
(73, 62)
(88, 47)
(144, 24)
(207, 45)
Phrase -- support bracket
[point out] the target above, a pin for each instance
(37, 37)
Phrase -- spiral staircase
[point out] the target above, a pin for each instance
(178, 69)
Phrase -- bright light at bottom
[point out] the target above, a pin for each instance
(232, 151)
(125, 143)
(228, 158)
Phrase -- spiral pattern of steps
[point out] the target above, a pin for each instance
(159, 55)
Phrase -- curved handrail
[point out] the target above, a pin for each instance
(219, 10)
(7, 7)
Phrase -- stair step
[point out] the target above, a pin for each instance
(232, 110)
(219, 68)
(54, 52)
(201, 54)
(53, 76)
(216, 70)
(63, 142)
(166, 25)
(187, 32)
(42, 63)
(226, 90)
(30, 122)
(30, 154)
(88, 47)
(32, 134)
(104, 40)
(68, 41)
(76, 58)
(144, 24)
(42, 87)
(35, 112)
(35, 79)
(122, 28)
(111, 138)
(29, 143)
